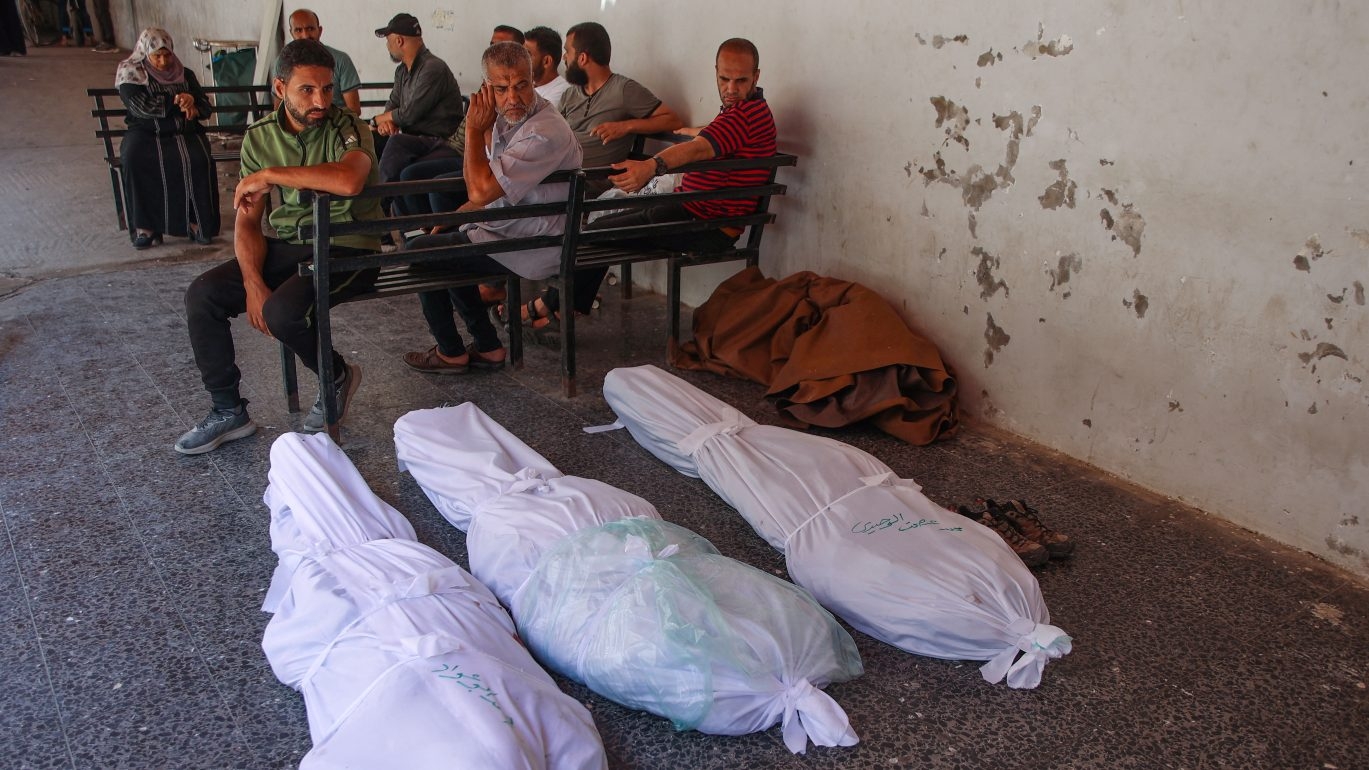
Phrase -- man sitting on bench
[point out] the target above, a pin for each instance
(306, 143)
(527, 140)
(744, 128)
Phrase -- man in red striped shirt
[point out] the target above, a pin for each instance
(744, 128)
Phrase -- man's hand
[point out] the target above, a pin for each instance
(251, 189)
(481, 114)
(688, 131)
(633, 174)
(257, 294)
(385, 124)
(607, 132)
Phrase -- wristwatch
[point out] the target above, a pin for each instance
(661, 167)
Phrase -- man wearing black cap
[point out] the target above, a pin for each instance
(425, 106)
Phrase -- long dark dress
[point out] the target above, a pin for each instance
(11, 30)
(170, 179)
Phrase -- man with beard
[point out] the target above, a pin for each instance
(743, 128)
(525, 140)
(307, 143)
(304, 25)
(425, 105)
(545, 46)
(604, 108)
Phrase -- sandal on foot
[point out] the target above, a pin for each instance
(488, 359)
(430, 362)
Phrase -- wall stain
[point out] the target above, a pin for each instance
(1061, 274)
(940, 40)
(1105, 162)
(1361, 237)
(1138, 302)
(1341, 547)
(974, 225)
(1359, 293)
(988, 284)
(1175, 406)
(1087, 423)
(997, 339)
(1058, 47)
(1127, 226)
(918, 37)
(1337, 298)
(989, 58)
(1310, 252)
(1350, 521)
(955, 117)
(1062, 191)
(1323, 350)
(1328, 323)
(908, 169)
(1313, 408)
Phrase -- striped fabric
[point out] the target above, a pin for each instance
(744, 130)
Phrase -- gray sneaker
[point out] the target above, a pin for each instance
(221, 425)
(346, 385)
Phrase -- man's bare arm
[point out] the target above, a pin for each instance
(352, 99)
(482, 188)
(662, 119)
(634, 174)
(249, 245)
(343, 177)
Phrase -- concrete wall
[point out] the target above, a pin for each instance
(1136, 230)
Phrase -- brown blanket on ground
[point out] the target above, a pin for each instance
(831, 353)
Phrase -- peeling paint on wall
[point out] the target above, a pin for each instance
(1138, 302)
(1058, 47)
(1061, 274)
(1105, 162)
(1127, 226)
(1175, 406)
(1062, 191)
(939, 40)
(954, 117)
(1323, 350)
(988, 284)
(989, 58)
(1310, 252)
(996, 338)
(1359, 293)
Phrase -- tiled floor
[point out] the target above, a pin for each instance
(132, 577)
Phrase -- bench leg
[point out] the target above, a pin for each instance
(513, 300)
(116, 181)
(625, 277)
(289, 378)
(568, 334)
(673, 302)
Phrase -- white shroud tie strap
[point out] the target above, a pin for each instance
(811, 714)
(1038, 642)
(732, 421)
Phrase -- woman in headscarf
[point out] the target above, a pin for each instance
(170, 181)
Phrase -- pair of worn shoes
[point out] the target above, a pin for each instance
(223, 425)
(1022, 529)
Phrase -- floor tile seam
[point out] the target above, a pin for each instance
(152, 561)
(38, 639)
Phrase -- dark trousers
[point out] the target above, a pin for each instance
(587, 280)
(218, 295)
(427, 203)
(404, 149)
(465, 300)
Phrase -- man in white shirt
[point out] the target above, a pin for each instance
(544, 43)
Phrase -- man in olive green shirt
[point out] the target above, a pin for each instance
(306, 144)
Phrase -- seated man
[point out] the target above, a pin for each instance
(606, 109)
(526, 140)
(424, 107)
(304, 25)
(744, 128)
(306, 144)
(545, 46)
(449, 166)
